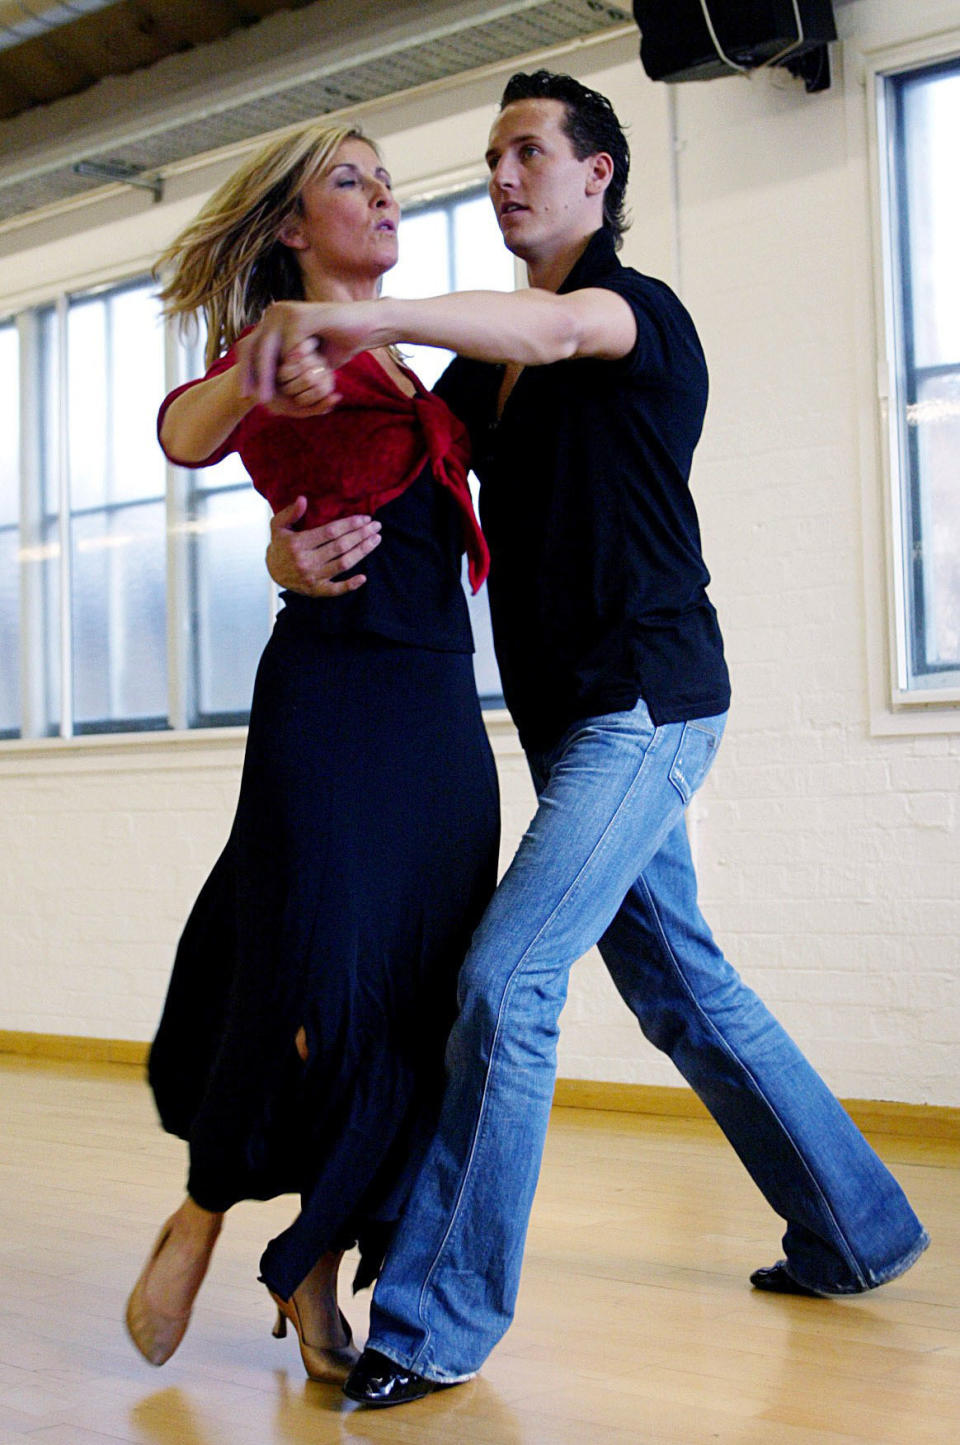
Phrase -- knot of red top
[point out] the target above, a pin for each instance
(359, 456)
(448, 450)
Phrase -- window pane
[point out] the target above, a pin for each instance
(119, 617)
(115, 361)
(42, 543)
(137, 374)
(936, 418)
(931, 126)
(118, 513)
(9, 531)
(483, 262)
(89, 390)
(9, 426)
(48, 432)
(424, 265)
(232, 599)
(926, 109)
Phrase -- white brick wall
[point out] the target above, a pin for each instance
(103, 852)
(828, 855)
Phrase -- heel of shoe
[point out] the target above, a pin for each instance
(329, 1365)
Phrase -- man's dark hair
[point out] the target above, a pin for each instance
(590, 124)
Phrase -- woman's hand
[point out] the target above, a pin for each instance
(310, 562)
(306, 385)
(303, 384)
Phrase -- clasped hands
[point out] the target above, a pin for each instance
(289, 360)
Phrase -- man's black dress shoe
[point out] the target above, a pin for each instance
(775, 1279)
(378, 1382)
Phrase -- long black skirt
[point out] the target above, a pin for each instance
(362, 855)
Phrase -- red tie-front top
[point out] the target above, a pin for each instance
(356, 458)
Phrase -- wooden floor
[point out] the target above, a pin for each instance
(635, 1323)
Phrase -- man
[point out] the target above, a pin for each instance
(612, 665)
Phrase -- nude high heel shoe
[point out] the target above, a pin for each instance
(155, 1331)
(329, 1364)
(155, 1334)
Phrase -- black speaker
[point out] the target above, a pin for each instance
(703, 39)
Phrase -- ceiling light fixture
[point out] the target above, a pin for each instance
(122, 171)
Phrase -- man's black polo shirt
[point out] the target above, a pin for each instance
(597, 583)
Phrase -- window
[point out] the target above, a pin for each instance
(921, 109)
(133, 594)
(141, 601)
(455, 245)
(9, 531)
(117, 511)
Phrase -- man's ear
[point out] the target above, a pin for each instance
(291, 234)
(599, 173)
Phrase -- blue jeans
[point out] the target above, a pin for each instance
(606, 859)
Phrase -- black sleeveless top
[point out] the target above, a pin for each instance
(413, 593)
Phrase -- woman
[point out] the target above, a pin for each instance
(301, 1044)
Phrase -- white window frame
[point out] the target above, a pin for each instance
(894, 708)
(22, 312)
(34, 729)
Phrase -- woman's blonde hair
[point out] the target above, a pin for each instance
(229, 263)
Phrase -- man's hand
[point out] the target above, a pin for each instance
(304, 385)
(281, 341)
(309, 562)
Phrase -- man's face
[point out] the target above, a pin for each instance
(543, 196)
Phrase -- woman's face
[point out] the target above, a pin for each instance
(346, 232)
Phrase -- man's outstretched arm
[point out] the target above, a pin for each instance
(531, 328)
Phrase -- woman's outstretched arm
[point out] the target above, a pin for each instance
(200, 419)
